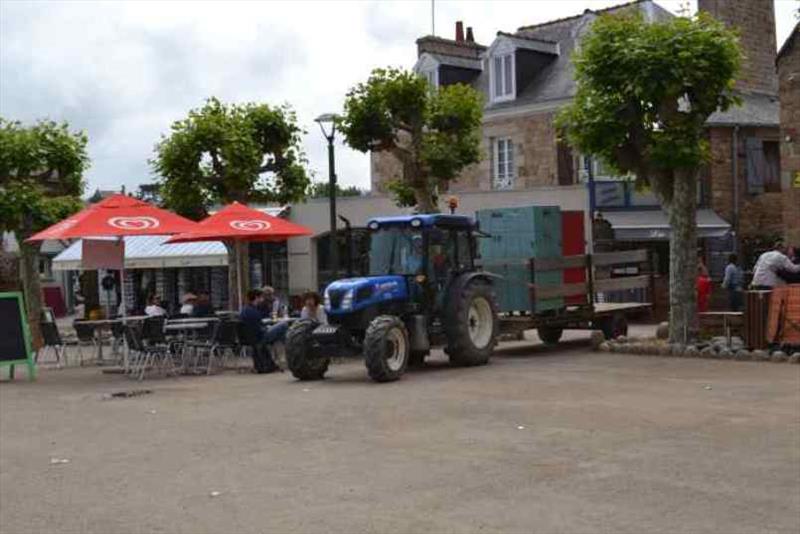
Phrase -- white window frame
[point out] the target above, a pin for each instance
(508, 61)
(508, 179)
(432, 76)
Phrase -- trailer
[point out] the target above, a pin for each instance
(606, 275)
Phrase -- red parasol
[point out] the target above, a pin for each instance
(237, 222)
(118, 215)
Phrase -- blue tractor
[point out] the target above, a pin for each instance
(423, 289)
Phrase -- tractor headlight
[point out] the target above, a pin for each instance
(416, 223)
(327, 300)
(347, 300)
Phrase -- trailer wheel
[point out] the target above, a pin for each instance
(471, 324)
(386, 348)
(550, 335)
(301, 358)
(614, 326)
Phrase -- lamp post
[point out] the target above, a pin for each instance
(327, 123)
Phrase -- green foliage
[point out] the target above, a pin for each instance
(41, 174)
(433, 133)
(321, 190)
(226, 152)
(645, 91)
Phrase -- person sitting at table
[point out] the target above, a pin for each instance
(154, 309)
(202, 306)
(313, 309)
(251, 317)
(270, 304)
(187, 308)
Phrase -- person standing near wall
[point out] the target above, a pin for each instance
(766, 274)
(733, 283)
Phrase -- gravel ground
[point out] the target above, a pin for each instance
(541, 440)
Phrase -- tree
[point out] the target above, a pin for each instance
(434, 134)
(644, 92)
(149, 193)
(321, 190)
(41, 182)
(222, 153)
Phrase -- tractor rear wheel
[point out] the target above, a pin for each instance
(386, 348)
(300, 354)
(550, 335)
(471, 324)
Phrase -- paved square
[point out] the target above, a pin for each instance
(550, 441)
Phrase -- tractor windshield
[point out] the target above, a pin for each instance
(395, 250)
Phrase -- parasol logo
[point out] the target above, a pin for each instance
(134, 223)
(250, 226)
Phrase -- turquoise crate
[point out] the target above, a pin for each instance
(517, 235)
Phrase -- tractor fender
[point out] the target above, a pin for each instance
(462, 281)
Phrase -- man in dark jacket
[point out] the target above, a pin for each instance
(251, 317)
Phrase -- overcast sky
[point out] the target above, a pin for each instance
(125, 70)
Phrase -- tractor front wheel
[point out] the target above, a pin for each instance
(471, 324)
(301, 358)
(386, 348)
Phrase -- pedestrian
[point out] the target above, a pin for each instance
(793, 253)
(770, 266)
(703, 289)
(187, 306)
(251, 317)
(313, 309)
(733, 283)
(154, 308)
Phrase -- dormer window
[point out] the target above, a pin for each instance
(432, 76)
(502, 77)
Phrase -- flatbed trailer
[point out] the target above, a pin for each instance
(601, 278)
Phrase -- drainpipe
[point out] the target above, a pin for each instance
(735, 179)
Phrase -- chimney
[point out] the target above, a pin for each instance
(470, 37)
(459, 31)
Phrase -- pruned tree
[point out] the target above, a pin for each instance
(434, 134)
(222, 153)
(644, 92)
(41, 183)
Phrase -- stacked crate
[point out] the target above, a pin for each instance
(518, 235)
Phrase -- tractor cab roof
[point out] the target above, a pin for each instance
(423, 220)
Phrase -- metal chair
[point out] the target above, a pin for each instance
(223, 339)
(86, 338)
(52, 340)
(146, 356)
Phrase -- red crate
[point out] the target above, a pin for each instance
(573, 244)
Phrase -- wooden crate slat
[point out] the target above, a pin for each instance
(604, 259)
(618, 284)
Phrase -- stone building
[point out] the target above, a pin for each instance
(789, 86)
(528, 75)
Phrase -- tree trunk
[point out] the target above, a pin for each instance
(682, 212)
(31, 287)
(425, 202)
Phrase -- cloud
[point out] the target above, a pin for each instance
(125, 70)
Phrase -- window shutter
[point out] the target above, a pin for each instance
(507, 73)
(565, 170)
(756, 166)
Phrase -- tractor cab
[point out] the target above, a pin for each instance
(412, 259)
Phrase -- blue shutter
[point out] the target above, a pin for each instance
(755, 165)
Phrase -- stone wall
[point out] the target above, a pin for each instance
(755, 20)
(535, 156)
(757, 213)
(789, 77)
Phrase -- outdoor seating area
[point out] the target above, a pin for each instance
(143, 347)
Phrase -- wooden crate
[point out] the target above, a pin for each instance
(783, 321)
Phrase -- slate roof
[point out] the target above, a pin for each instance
(757, 109)
(789, 42)
(556, 81)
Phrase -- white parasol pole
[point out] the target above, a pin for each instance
(125, 353)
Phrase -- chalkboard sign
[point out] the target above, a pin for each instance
(15, 342)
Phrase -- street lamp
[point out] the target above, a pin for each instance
(327, 124)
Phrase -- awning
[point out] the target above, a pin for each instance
(652, 225)
(149, 252)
